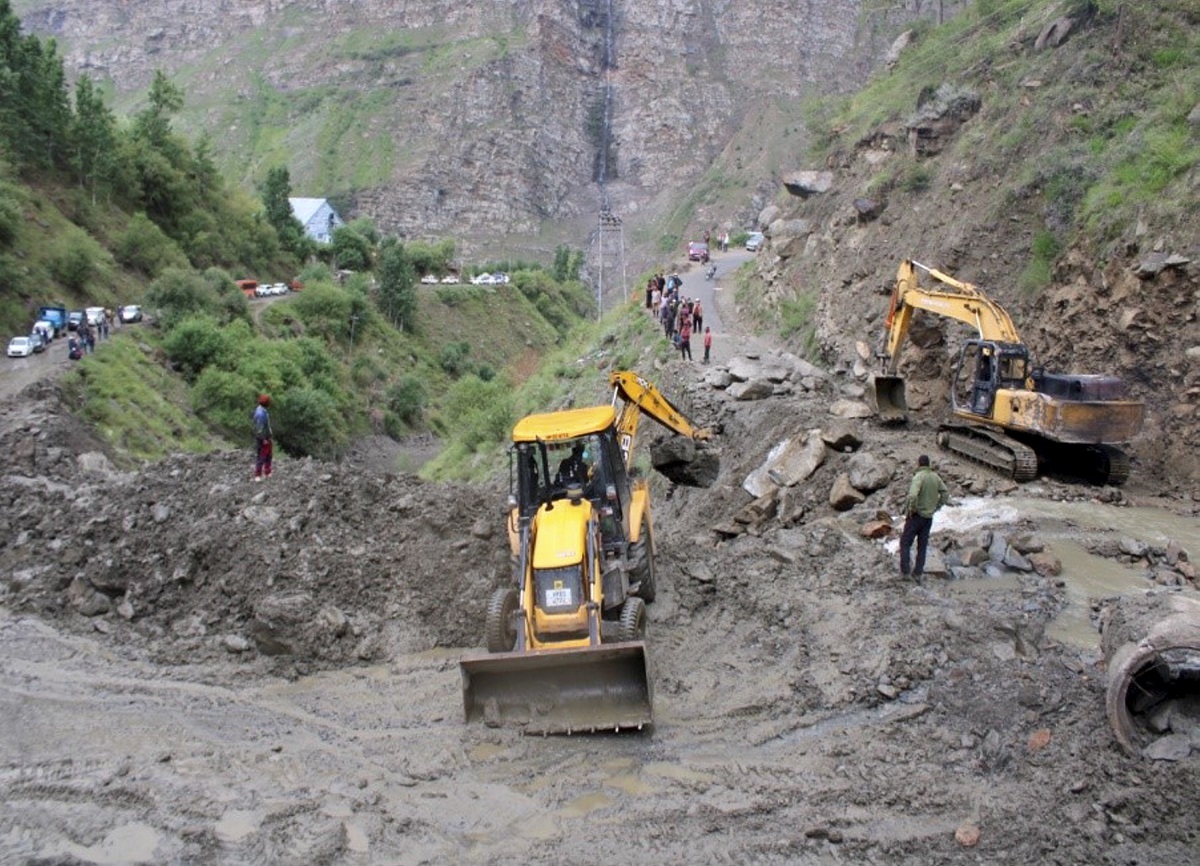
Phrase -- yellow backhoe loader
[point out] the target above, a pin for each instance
(1007, 413)
(565, 643)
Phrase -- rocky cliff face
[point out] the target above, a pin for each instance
(478, 120)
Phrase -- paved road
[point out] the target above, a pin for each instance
(716, 296)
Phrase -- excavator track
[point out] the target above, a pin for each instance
(990, 448)
(1118, 465)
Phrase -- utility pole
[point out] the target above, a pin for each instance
(610, 225)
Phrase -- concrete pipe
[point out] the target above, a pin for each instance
(1152, 645)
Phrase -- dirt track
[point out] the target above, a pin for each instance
(197, 669)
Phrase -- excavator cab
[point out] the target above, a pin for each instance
(983, 368)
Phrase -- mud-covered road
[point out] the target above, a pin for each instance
(197, 669)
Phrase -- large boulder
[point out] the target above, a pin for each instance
(842, 434)
(756, 389)
(787, 464)
(850, 409)
(869, 473)
(808, 183)
(843, 497)
(768, 215)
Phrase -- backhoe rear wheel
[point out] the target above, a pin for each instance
(641, 564)
(500, 629)
(633, 619)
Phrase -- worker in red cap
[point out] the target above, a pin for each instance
(262, 438)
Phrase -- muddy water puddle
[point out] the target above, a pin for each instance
(1065, 528)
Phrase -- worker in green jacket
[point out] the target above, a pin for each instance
(926, 494)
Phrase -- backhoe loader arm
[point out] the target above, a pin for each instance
(961, 301)
(639, 396)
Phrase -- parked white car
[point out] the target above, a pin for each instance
(450, 280)
(482, 280)
(95, 315)
(20, 347)
(429, 280)
(130, 313)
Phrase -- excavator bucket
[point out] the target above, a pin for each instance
(890, 402)
(602, 688)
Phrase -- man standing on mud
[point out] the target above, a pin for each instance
(262, 439)
(926, 494)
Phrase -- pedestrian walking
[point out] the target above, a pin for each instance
(697, 316)
(926, 494)
(263, 436)
(707, 343)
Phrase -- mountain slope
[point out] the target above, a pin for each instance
(484, 120)
(1057, 172)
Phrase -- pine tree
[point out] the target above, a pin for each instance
(93, 136)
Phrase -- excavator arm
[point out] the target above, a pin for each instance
(639, 396)
(961, 301)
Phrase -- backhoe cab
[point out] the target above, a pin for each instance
(565, 641)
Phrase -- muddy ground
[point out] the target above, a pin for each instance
(198, 669)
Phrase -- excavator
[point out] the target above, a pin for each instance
(1006, 412)
(566, 648)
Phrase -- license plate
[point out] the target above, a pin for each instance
(558, 597)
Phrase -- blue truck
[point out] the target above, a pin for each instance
(55, 314)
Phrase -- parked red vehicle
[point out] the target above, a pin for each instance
(697, 252)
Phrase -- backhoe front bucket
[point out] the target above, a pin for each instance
(603, 688)
(890, 401)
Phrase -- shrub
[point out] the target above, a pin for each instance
(405, 402)
(144, 247)
(11, 200)
(478, 413)
(1040, 269)
(916, 178)
(225, 400)
(307, 421)
(325, 310)
(454, 358)
(179, 294)
(200, 342)
(73, 265)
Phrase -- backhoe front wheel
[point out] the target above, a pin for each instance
(633, 619)
(500, 627)
(641, 564)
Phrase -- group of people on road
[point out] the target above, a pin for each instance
(679, 316)
(722, 241)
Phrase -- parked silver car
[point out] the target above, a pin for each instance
(755, 241)
(20, 347)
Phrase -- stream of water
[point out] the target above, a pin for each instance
(1065, 528)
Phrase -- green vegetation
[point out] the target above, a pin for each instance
(98, 210)
(1090, 154)
(798, 318)
(1040, 268)
(476, 421)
